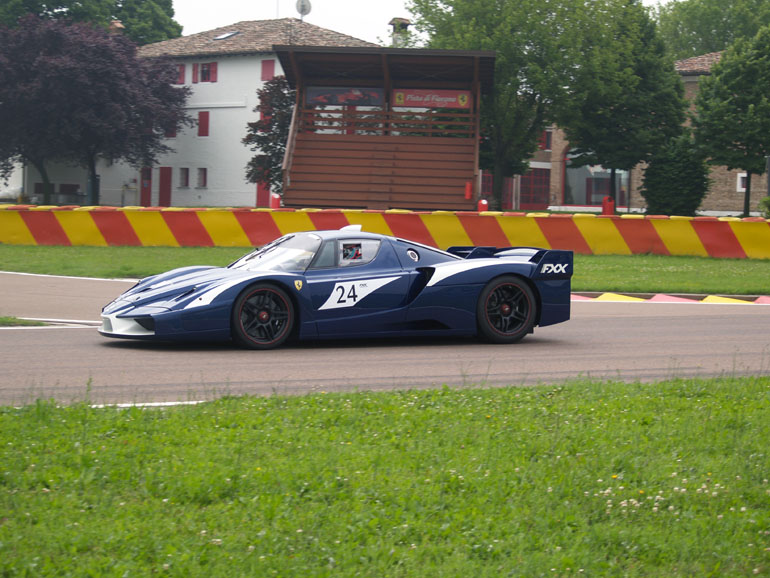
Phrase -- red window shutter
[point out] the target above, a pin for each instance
(180, 73)
(195, 72)
(213, 72)
(203, 123)
(268, 69)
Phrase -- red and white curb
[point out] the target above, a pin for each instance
(663, 298)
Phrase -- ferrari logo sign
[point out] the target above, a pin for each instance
(298, 285)
(430, 98)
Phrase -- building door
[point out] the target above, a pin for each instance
(164, 187)
(534, 192)
(145, 190)
(263, 195)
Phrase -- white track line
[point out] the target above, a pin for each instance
(69, 277)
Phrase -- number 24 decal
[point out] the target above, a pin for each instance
(349, 293)
(343, 299)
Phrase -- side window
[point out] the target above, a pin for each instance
(325, 256)
(354, 252)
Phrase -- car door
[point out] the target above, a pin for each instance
(357, 286)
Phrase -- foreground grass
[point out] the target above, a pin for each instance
(594, 479)
(635, 273)
(16, 322)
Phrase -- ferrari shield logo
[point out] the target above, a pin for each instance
(463, 100)
(298, 285)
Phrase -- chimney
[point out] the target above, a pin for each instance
(400, 32)
(116, 26)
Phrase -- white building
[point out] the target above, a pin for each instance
(224, 67)
(11, 188)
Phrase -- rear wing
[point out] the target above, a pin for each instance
(549, 263)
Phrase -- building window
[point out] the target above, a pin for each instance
(180, 73)
(184, 178)
(206, 72)
(226, 35)
(740, 186)
(545, 140)
(203, 123)
(268, 70)
(209, 72)
(203, 178)
(588, 185)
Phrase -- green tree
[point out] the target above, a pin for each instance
(694, 27)
(539, 45)
(676, 179)
(144, 21)
(627, 101)
(269, 134)
(75, 93)
(732, 115)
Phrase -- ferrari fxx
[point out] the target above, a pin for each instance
(349, 284)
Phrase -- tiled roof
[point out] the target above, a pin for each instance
(251, 36)
(697, 65)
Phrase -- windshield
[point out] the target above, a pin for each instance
(291, 253)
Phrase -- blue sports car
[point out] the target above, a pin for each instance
(349, 284)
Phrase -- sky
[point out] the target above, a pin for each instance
(364, 19)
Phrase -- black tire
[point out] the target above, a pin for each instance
(262, 317)
(506, 310)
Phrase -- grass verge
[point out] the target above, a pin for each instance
(16, 322)
(595, 479)
(633, 273)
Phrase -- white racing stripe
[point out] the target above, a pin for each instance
(444, 271)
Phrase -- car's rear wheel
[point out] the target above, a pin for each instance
(506, 310)
(262, 317)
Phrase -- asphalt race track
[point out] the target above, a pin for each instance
(626, 341)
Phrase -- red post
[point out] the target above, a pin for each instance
(468, 190)
(608, 206)
(483, 205)
(275, 201)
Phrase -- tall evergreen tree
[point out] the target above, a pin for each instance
(732, 117)
(694, 27)
(144, 21)
(628, 99)
(269, 134)
(539, 46)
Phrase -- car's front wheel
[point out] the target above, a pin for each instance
(506, 310)
(262, 317)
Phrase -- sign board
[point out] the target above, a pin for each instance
(427, 98)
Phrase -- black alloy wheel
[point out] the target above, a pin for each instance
(506, 310)
(262, 317)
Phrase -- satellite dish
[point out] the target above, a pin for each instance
(303, 7)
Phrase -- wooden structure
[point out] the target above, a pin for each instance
(384, 128)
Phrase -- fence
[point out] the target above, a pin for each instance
(585, 234)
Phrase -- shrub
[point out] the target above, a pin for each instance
(764, 207)
(676, 180)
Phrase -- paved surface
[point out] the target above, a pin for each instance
(41, 296)
(628, 341)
